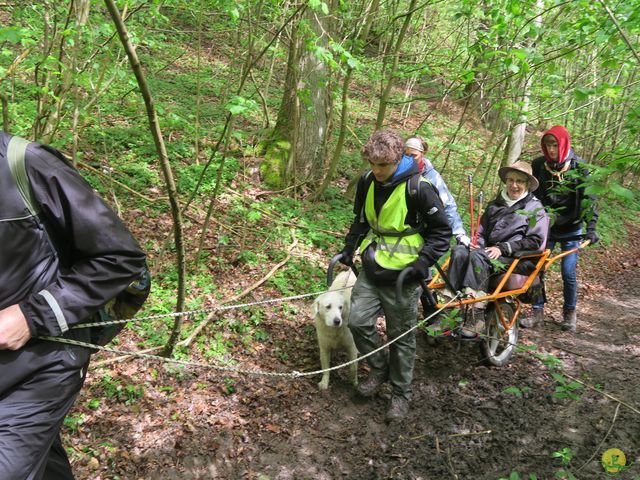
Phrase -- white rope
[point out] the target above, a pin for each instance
(294, 374)
(188, 313)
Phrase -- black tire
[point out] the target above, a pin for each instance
(497, 345)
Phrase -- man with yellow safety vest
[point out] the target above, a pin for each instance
(399, 222)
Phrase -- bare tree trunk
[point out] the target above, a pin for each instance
(516, 139)
(335, 158)
(41, 78)
(394, 67)
(362, 35)
(297, 147)
(196, 143)
(312, 112)
(5, 112)
(164, 163)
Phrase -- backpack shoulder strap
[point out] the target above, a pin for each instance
(16, 152)
(413, 184)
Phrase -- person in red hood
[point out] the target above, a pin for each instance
(561, 176)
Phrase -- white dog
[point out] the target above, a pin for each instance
(331, 313)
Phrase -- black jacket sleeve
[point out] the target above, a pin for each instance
(359, 227)
(435, 225)
(98, 255)
(589, 203)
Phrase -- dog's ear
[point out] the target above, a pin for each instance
(314, 308)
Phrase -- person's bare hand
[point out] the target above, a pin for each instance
(14, 331)
(492, 252)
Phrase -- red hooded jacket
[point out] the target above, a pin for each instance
(564, 144)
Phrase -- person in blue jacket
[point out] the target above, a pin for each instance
(415, 147)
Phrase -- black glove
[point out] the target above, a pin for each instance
(346, 256)
(420, 268)
(592, 236)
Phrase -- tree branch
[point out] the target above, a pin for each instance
(246, 291)
(622, 33)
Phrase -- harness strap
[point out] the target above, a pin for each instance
(16, 151)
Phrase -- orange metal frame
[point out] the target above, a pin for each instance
(544, 261)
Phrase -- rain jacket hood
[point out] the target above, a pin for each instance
(564, 146)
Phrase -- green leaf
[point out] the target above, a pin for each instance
(611, 92)
(239, 105)
(513, 390)
(10, 34)
(595, 189)
(353, 63)
(581, 94)
(519, 53)
(611, 64)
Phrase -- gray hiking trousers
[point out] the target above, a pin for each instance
(366, 301)
(38, 385)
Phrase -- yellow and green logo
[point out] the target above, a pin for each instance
(614, 460)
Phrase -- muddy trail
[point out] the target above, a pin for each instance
(467, 421)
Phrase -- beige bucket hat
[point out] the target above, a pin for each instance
(521, 167)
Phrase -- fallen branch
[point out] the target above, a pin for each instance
(284, 222)
(468, 434)
(605, 394)
(399, 467)
(237, 297)
(18, 60)
(565, 349)
(109, 361)
(120, 184)
(449, 463)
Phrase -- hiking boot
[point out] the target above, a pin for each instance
(398, 408)
(536, 318)
(475, 324)
(569, 320)
(371, 385)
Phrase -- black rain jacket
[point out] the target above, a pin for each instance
(60, 278)
(511, 229)
(569, 203)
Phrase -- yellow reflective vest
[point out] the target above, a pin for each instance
(397, 244)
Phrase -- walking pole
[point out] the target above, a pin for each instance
(474, 240)
(471, 217)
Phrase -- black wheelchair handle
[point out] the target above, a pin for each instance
(332, 264)
(406, 272)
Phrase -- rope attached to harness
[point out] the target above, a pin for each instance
(294, 374)
(188, 313)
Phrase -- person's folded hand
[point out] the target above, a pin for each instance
(420, 268)
(346, 256)
(592, 236)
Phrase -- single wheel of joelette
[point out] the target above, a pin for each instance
(498, 344)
